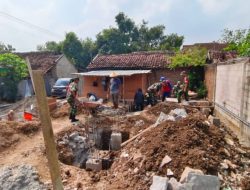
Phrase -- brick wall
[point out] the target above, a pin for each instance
(173, 75)
(210, 74)
(130, 83)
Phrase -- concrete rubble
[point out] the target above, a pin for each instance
(22, 177)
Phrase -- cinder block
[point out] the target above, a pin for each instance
(94, 164)
(116, 141)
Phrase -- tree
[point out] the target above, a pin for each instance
(73, 49)
(89, 50)
(51, 46)
(12, 70)
(129, 37)
(192, 57)
(6, 48)
(238, 40)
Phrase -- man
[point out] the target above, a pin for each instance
(166, 89)
(177, 91)
(185, 84)
(72, 99)
(139, 100)
(114, 86)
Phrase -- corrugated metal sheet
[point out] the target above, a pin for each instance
(118, 72)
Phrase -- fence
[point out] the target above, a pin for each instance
(229, 88)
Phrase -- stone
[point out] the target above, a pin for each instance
(214, 120)
(227, 152)
(206, 111)
(116, 141)
(173, 184)
(224, 166)
(205, 182)
(163, 117)
(165, 161)
(159, 183)
(229, 141)
(241, 151)
(73, 135)
(230, 164)
(136, 170)
(170, 172)
(94, 164)
(188, 170)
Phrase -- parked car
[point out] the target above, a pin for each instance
(60, 88)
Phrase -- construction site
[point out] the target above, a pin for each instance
(125, 95)
(173, 145)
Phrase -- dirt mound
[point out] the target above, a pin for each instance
(61, 111)
(166, 107)
(11, 132)
(189, 142)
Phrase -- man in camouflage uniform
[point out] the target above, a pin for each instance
(72, 100)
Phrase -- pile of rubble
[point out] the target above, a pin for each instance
(190, 141)
(22, 177)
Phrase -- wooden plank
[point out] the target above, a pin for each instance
(48, 135)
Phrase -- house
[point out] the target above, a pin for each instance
(53, 65)
(216, 52)
(211, 46)
(136, 70)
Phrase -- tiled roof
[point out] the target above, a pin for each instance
(136, 60)
(209, 46)
(41, 60)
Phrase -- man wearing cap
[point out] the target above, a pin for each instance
(185, 84)
(114, 86)
(72, 99)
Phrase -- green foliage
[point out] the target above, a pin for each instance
(72, 48)
(6, 48)
(126, 37)
(13, 70)
(51, 46)
(202, 91)
(129, 37)
(196, 76)
(238, 40)
(192, 57)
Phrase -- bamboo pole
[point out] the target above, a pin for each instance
(48, 135)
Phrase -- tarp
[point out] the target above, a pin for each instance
(108, 72)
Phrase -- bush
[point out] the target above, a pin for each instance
(202, 91)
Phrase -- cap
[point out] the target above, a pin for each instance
(113, 74)
(162, 79)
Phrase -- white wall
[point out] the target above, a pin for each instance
(64, 68)
(232, 96)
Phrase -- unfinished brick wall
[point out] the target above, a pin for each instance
(173, 75)
(210, 75)
(130, 83)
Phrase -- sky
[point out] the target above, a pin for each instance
(198, 20)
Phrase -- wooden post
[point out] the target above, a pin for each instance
(123, 90)
(48, 135)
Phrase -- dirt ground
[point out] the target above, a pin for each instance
(189, 142)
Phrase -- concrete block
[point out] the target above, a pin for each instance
(173, 184)
(94, 164)
(214, 120)
(205, 182)
(116, 141)
(186, 172)
(159, 183)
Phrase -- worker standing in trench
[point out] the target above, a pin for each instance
(72, 99)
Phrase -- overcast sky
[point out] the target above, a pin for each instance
(197, 20)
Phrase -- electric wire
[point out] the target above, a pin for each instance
(28, 24)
